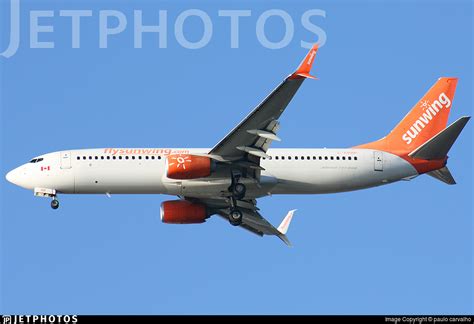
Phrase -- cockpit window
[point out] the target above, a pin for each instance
(36, 160)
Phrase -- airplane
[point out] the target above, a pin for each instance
(227, 180)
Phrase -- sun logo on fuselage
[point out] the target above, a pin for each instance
(181, 161)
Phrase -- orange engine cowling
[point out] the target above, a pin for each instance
(182, 212)
(183, 166)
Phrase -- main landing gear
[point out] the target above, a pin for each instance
(235, 217)
(236, 188)
(237, 191)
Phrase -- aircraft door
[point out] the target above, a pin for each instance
(65, 160)
(378, 161)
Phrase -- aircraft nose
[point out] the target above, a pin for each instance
(11, 177)
(19, 177)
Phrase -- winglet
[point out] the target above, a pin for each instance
(283, 228)
(305, 67)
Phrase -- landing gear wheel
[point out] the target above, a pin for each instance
(235, 217)
(238, 191)
(55, 204)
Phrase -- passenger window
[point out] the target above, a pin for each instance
(337, 157)
(120, 157)
(96, 157)
(101, 157)
(296, 158)
(349, 158)
(276, 157)
(152, 157)
(146, 157)
(343, 157)
(332, 157)
(355, 157)
(289, 158)
(320, 157)
(126, 158)
(139, 157)
(83, 157)
(114, 157)
(325, 157)
(90, 157)
(159, 157)
(282, 157)
(78, 157)
(108, 157)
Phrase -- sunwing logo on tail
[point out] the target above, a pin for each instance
(429, 112)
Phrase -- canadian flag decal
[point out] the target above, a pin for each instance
(47, 168)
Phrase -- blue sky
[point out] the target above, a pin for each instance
(403, 248)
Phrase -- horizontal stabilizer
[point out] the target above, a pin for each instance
(439, 145)
(443, 175)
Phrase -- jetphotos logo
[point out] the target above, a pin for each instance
(114, 25)
(429, 112)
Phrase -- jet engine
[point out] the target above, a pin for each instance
(182, 212)
(182, 166)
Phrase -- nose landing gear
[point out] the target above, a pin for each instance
(48, 193)
(55, 203)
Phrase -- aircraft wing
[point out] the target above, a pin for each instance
(257, 224)
(250, 139)
(252, 220)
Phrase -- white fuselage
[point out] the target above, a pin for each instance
(143, 171)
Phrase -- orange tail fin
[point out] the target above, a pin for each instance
(426, 119)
